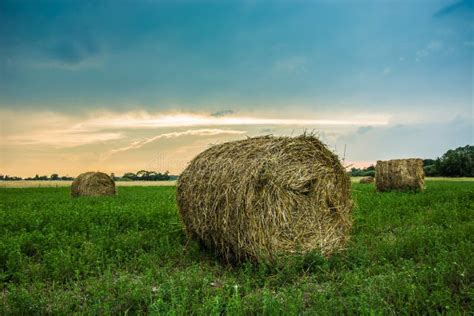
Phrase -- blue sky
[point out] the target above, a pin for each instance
(402, 69)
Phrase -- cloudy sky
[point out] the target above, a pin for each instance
(127, 85)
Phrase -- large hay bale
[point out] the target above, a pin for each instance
(367, 180)
(92, 184)
(400, 175)
(263, 197)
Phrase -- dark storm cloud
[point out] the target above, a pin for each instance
(46, 31)
(194, 56)
(222, 113)
(462, 8)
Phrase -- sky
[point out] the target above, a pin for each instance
(121, 86)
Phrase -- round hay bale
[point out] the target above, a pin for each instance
(263, 197)
(92, 184)
(367, 180)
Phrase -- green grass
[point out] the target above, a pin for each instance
(409, 254)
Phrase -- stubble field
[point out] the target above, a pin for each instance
(409, 253)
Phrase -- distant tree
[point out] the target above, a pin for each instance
(10, 178)
(369, 171)
(430, 168)
(130, 176)
(54, 176)
(457, 162)
(145, 175)
(428, 162)
(431, 171)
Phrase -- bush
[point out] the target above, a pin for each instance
(430, 171)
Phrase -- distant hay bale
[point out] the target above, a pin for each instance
(92, 184)
(367, 180)
(263, 197)
(400, 175)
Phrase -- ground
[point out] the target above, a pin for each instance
(409, 254)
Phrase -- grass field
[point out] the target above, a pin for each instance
(409, 253)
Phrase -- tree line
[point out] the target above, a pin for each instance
(37, 177)
(457, 162)
(142, 175)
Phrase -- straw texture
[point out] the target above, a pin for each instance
(400, 175)
(263, 197)
(92, 184)
(367, 180)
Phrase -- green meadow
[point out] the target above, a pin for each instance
(408, 254)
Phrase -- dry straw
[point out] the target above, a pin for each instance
(263, 197)
(400, 175)
(367, 180)
(92, 184)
